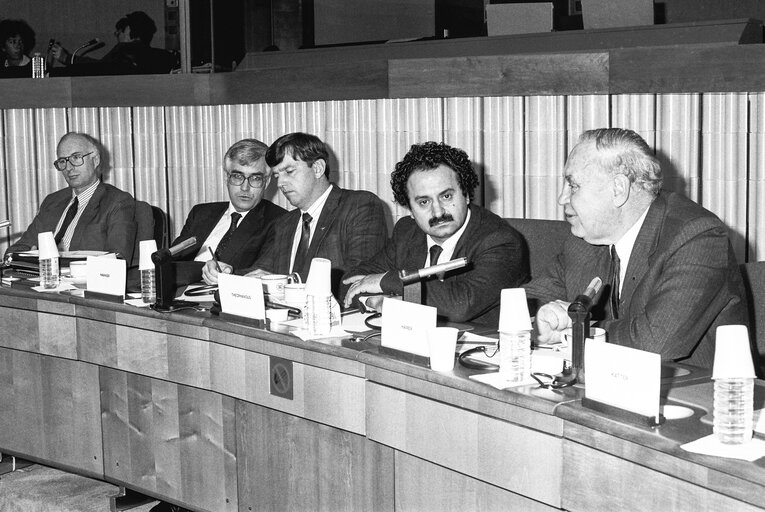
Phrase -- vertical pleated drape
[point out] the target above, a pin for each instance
(712, 149)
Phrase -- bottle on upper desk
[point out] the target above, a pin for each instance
(733, 375)
(147, 269)
(48, 260)
(38, 66)
(514, 336)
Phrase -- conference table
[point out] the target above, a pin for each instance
(217, 415)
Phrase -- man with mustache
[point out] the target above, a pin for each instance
(233, 230)
(436, 182)
(669, 270)
(343, 226)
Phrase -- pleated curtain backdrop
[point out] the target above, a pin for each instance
(712, 149)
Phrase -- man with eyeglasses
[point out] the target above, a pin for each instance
(87, 215)
(233, 230)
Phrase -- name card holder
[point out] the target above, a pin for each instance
(106, 277)
(623, 382)
(244, 320)
(404, 330)
(623, 415)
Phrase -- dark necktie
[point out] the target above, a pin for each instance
(615, 270)
(435, 252)
(70, 213)
(227, 237)
(305, 241)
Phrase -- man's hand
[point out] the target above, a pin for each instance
(257, 273)
(210, 272)
(362, 284)
(552, 318)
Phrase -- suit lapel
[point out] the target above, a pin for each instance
(90, 212)
(245, 229)
(645, 245)
(327, 217)
(460, 249)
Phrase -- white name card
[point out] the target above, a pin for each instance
(241, 296)
(107, 275)
(405, 326)
(623, 377)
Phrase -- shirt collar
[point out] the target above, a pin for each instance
(315, 209)
(450, 243)
(627, 242)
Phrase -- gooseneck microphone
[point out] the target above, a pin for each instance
(412, 276)
(4, 223)
(163, 255)
(579, 312)
(91, 45)
(165, 276)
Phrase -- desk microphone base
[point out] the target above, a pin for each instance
(623, 414)
(176, 305)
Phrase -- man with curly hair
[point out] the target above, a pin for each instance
(436, 182)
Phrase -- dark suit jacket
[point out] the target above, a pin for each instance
(471, 294)
(107, 224)
(681, 283)
(350, 229)
(246, 243)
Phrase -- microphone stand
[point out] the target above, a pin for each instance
(165, 277)
(92, 42)
(579, 312)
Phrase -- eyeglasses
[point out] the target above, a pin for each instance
(237, 179)
(76, 160)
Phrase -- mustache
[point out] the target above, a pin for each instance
(446, 217)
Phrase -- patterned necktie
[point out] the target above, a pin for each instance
(227, 237)
(305, 241)
(435, 252)
(615, 271)
(70, 213)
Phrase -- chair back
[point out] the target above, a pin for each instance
(161, 234)
(754, 283)
(544, 240)
(144, 223)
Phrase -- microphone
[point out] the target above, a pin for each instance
(4, 223)
(95, 43)
(583, 303)
(412, 276)
(164, 255)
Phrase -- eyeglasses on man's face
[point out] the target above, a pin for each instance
(76, 159)
(237, 178)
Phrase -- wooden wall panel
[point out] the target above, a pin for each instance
(170, 440)
(289, 463)
(50, 410)
(500, 453)
(500, 75)
(598, 481)
(422, 486)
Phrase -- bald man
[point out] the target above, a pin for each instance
(87, 215)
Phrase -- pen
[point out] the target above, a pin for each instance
(217, 266)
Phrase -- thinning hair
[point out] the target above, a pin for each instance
(94, 145)
(304, 146)
(246, 152)
(622, 151)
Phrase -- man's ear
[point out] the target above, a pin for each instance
(318, 167)
(97, 161)
(621, 186)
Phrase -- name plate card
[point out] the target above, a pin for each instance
(405, 326)
(106, 275)
(241, 296)
(623, 377)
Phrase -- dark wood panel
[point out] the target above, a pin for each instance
(347, 80)
(688, 69)
(144, 90)
(718, 31)
(50, 410)
(288, 463)
(37, 93)
(423, 486)
(170, 440)
(500, 75)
